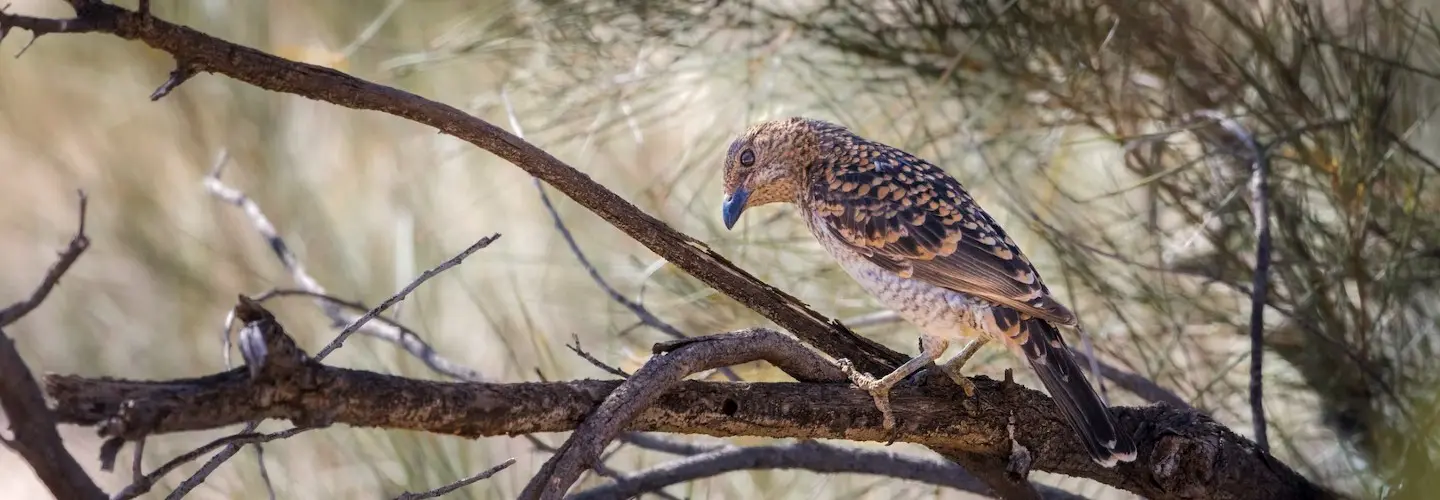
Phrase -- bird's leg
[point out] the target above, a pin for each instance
(931, 349)
(952, 367)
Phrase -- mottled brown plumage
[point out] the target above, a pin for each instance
(910, 235)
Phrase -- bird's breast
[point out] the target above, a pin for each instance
(936, 311)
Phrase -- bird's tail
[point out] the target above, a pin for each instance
(1082, 408)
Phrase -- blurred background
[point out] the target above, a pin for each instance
(1081, 124)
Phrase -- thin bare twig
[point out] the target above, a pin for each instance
(143, 483)
(665, 445)
(214, 463)
(410, 342)
(639, 310)
(673, 361)
(72, 252)
(1260, 280)
(137, 466)
(384, 328)
(404, 292)
(457, 484)
(806, 455)
(264, 471)
(32, 424)
(334, 308)
(599, 468)
(575, 348)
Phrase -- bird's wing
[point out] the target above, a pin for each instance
(910, 217)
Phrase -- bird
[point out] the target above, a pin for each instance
(913, 238)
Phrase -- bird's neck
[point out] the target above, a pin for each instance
(830, 143)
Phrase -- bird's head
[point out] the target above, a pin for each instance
(767, 165)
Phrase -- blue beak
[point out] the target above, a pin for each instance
(734, 205)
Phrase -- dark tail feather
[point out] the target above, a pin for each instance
(1078, 402)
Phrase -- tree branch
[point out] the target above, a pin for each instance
(437, 492)
(77, 246)
(144, 482)
(672, 361)
(1260, 280)
(1183, 454)
(382, 328)
(32, 424)
(807, 455)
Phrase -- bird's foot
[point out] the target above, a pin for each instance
(879, 392)
(881, 395)
(961, 380)
(952, 368)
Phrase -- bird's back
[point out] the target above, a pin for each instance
(909, 216)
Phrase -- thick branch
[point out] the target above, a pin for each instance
(1183, 454)
(35, 437)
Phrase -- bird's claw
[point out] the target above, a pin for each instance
(881, 394)
(964, 382)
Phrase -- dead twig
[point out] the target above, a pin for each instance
(600, 467)
(334, 308)
(78, 244)
(665, 445)
(437, 492)
(672, 362)
(639, 310)
(1260, 280)
(144, 482)
(575, 348)
(32, 423)
(404, 292)
(805, 455)
(384, 328)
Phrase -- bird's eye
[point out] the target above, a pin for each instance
(747, 158)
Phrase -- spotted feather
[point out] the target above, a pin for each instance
(910, 217)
